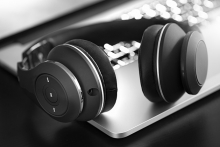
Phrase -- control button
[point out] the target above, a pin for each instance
(54, 109)
(51, 95)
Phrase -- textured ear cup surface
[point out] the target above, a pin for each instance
(145, 60)
(168, 62)
(194, 62)
(105, 68)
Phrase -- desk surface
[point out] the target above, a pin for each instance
(22, 123)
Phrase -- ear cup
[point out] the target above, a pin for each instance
(146, 61)
(87, 75)
(105, 68)
(194, 62)
(159, 63)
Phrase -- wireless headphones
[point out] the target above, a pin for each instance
(73, 79)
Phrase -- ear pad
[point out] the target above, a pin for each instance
(105, 68)
(145, 60)
(168, 62)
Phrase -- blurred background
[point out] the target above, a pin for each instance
(17, 16)
(22, 22)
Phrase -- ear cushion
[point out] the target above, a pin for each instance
(105, 68)
(146, 63)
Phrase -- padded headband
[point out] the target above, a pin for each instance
(107, 32)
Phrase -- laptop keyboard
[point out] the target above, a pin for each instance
(193, 11)
(122, 53)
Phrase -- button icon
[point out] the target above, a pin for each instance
(48, 80)
(51, 95)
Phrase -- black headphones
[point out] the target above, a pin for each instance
(74, 80)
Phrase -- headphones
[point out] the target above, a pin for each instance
(73, 79)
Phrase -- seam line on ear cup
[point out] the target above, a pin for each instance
(157, 63)
(97, 76)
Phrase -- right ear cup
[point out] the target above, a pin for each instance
(194, 62)
(171, 62)
(160, 63)
(164, 65)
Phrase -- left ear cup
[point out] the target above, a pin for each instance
(93, 70)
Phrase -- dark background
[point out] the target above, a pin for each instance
(23, 124)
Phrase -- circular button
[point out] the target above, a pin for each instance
(65, 102)
(51, 95)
